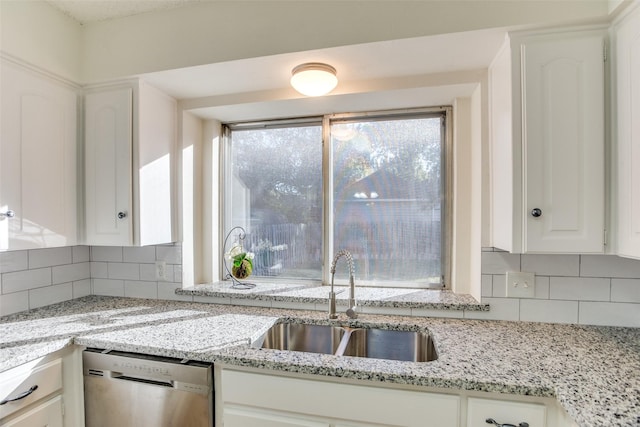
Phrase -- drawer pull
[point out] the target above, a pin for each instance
(497, 424)
(21, 395)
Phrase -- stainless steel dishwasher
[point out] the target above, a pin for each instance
(130, 389)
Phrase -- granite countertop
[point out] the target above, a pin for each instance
(434, 299)
(594, 372)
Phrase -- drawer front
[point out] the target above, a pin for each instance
(43, 380)
(505, 412)
(47, 414)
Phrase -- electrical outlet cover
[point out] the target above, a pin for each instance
(521, 284)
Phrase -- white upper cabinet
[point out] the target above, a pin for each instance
(130, 138)
(626, 35)
(108, 150)
(38, 169)
(548, 142)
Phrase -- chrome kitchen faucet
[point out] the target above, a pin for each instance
(351, 311)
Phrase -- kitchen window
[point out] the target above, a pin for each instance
(376, 188)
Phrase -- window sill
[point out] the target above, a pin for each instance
(427, 302)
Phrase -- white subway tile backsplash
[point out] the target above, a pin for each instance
(625, 290)
(542, 287)
(552, 265)
(609, 314)
(499, 262)
(548, 311)
(106, 253)
(25, 280)
(99, 270)
(48, 257)
(148, 272)
(139, 254)
(487, 285)
(70, 272)
(80, 254)
(124, 271)
(171, 254)
(138, 289)
(81, 288)
(167, 290)
(499, 286)
(50, 295)
(501, 309)
(609, 266)
(14, 303)
(114, 288)
(564, 282)
(580, 288)
(14, 261)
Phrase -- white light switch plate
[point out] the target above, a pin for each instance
(520, 284)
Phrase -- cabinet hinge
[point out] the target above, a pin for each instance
(604, 52)
(605, 237)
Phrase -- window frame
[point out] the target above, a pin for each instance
(445, 112)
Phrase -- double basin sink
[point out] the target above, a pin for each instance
(411, 346)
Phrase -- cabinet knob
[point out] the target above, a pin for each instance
(497, 424)
(122, 215)
(7, 214)
(536, 212)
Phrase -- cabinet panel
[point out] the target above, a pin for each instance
(321, 399)
(563, 143)
(47, 414)
(108, 145)
(504, 412)
(237, 416)
(627, 59)
(16, 382)
(37, 161)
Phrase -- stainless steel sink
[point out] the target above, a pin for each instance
(303, 337)
(411, 346)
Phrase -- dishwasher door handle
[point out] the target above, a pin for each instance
(118, 376)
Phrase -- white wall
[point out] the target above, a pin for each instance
(40, 35)
(190, 200)
(212, 32)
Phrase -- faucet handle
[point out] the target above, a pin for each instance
(351, 311)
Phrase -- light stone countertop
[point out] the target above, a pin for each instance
(594, 372)
(434, 299)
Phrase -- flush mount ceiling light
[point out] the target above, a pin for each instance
(314, 78)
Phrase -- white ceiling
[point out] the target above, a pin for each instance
(86, 11)
(390, 74)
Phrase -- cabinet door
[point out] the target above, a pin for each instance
(108, 151)
(503, 412)
(239, 416)
(37, 160)
(563, 143)
(47, 414)
(627, 59)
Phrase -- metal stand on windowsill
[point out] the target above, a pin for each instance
(235, 283)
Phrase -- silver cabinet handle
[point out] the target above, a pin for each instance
(122, 215)
(7, 214)
(497, 424)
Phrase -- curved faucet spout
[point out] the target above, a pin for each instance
(351, 311)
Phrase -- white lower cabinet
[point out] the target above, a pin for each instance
(505, 412)
(242, 416)
(47, 414)
(267, 399)
(248, 399)
(44, 392)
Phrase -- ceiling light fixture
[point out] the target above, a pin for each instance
(314, 78)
